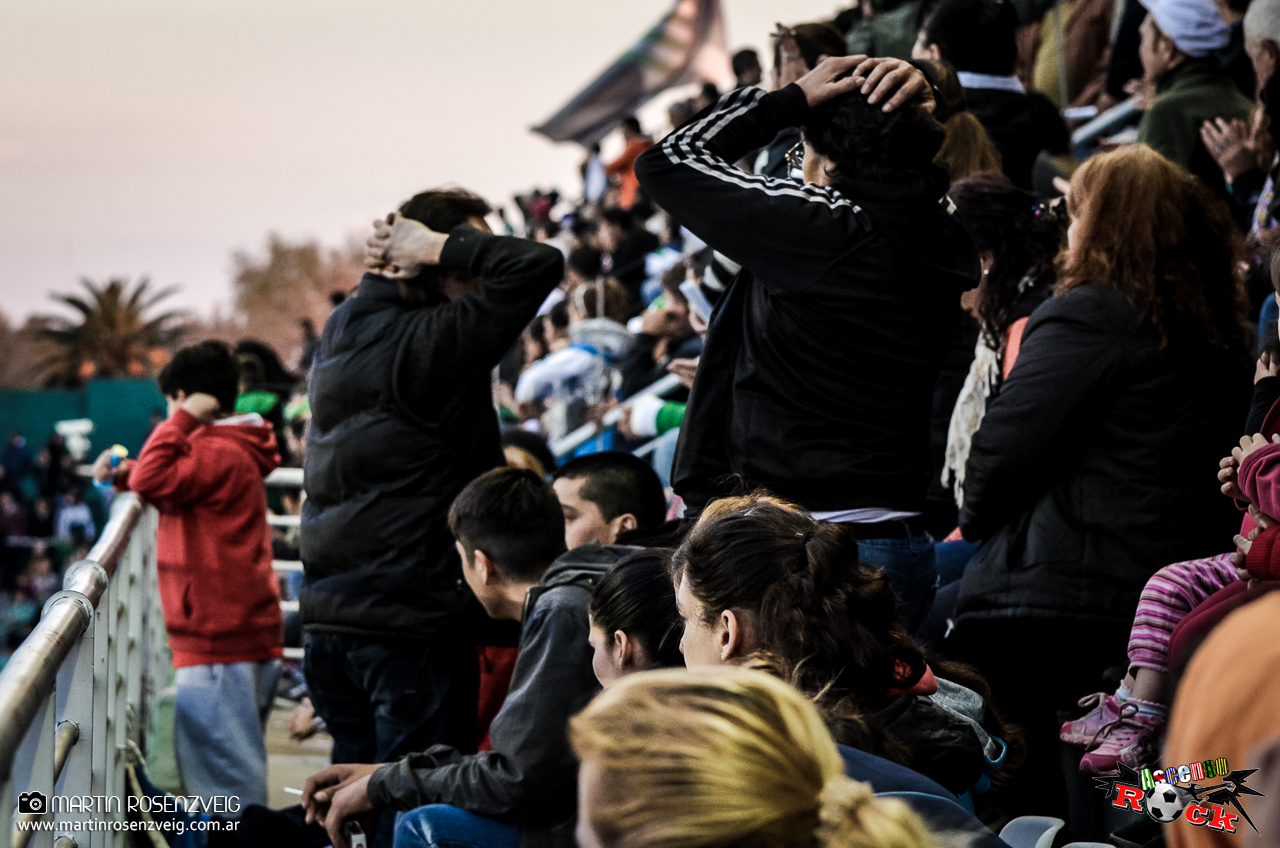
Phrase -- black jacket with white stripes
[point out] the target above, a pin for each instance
(820, 362)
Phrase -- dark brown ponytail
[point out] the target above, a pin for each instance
(811, 603)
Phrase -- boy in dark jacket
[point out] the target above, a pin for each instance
(510, 533)
(402, 419)
(203, 471)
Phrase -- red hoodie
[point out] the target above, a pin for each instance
(220, 594)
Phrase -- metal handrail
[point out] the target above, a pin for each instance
(1117, 116)
(285, 478)
(29, 676)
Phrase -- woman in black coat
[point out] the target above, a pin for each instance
(1096, 463)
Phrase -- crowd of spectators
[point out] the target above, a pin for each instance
(48, 517)
(956, 399)
(963, 433)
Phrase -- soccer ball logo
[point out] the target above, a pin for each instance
(1165, 802)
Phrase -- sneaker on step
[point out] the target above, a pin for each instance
(1128, 732)
(1145, 751)
(1103, 708)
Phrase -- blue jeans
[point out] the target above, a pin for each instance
(911, 566)
(953, 557)
(446, 826)
(219, 715)
(384, 699)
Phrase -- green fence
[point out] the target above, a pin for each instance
(120, 411)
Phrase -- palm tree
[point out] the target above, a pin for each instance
(113, 335)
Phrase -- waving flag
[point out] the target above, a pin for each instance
(686, 46)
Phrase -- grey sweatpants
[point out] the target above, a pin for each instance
(220, 714)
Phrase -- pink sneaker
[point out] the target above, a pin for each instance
(1126, 736)
(1145, 750)
(1103, 708)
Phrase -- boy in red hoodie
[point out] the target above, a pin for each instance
(204, 472)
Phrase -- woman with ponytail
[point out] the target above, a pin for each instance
(767, 579)
(773, 579)
(736, 757)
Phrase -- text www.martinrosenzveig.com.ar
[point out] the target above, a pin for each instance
(176, 827)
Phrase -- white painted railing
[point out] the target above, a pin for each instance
(80, 689)
(286, 478)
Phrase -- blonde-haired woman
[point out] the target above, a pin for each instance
(674, 759)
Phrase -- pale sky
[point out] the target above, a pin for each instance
(158, 136)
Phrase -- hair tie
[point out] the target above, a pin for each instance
(838, 802)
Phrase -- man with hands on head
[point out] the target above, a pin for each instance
(818, 371)
(402, 420)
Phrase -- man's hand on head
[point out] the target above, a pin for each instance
(201, 406)
(895, 83)
(890, 81)
(831, 78)
(791, 66)
(400, 247)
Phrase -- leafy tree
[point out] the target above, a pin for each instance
(115, 333)
(23, 354)
(291, 281)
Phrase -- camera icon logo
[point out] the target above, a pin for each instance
(33, 803)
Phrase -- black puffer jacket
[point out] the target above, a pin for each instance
(402, 420)
(1096, 464)
(819, 367)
